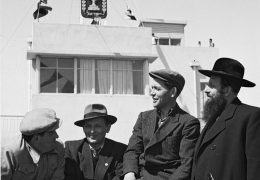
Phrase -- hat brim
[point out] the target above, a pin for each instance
(155, 76)
(109, 118)
(243, 82)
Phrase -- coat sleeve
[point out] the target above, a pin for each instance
(7, 164)
(253, 146)
(59, 172)
(134, 149)
(70, 164)
(118, 173)
(190, 134)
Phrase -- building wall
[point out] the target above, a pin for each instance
(16, 83)
(70, 107)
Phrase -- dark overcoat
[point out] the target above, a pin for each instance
(79, 164)
(165, 153)
(230, 149)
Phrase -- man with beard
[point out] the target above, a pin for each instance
(163, 140)
(228, 148)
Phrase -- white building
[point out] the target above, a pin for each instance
(66, 66)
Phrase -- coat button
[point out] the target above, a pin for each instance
(213, 147)
(106, 164)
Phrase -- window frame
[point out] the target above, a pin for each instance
(76, 61)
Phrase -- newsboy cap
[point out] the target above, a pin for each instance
(230, 69)
(39, 121)
(172, 78)
(93, 111)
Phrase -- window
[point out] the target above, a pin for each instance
(175, 42)
(93, 76)
(57, 75)
(169, 41)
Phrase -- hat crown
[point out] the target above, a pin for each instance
(93, 111)
(229, 66)
(38, 121)
(95, 108)
(172, 78)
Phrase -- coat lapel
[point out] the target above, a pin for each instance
(104, 161)
(165, 129)
(85, 160)
(150, 125)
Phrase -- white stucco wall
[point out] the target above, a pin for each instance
(70, 108)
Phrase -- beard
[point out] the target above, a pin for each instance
(214, 107)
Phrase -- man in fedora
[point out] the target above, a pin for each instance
(35, 155)
(94, 157)
(229, 145)
(163, 140)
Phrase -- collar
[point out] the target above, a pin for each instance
(96, 151)
(168, 114)
(33, 153)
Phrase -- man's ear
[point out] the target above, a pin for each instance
(108, 128)
(227, 91)
(35, 137)
(173, 91)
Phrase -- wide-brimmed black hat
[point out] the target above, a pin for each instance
(173, 78)
(93, 111)
(230, 69)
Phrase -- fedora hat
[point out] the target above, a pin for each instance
(93, 111)
(230, 69)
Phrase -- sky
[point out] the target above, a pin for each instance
(233, 25)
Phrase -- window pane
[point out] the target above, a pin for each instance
(65, 63)
(138, 65)
(85, 76)
(163, 41)
(56, 75)
(48, 81)
(65, 80)
(122, 77)
(102, 77)
(175, 42)
(138, 82)
(48, 62)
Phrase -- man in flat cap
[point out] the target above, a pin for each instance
(95, 157)
(163, 139)
(229, 145)
(35, 155)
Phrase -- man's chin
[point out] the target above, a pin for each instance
(91, 141)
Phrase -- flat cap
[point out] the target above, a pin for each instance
(172, 78)
(39, 121)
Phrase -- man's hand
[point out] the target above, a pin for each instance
(130, 176)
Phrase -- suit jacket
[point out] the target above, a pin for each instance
(166, 153)
(79, 164)
(230, 148)
(17, 163)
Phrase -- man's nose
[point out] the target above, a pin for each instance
(152, 92)
(207, 90)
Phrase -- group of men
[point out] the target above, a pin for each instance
(166, 142)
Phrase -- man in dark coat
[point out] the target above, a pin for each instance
(163, 139)
(94, 157)
(229, 145)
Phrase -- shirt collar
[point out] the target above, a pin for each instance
(168, 114)
(33, 153)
